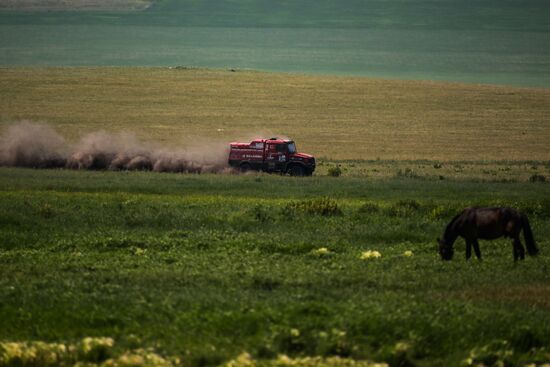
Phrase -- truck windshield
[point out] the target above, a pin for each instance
(291, 148)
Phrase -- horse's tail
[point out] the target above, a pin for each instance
(528, 234)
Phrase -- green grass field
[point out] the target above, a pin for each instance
(143, 269)
(154, 269)
(206, 267)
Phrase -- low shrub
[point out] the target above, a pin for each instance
(369, 208)
(404, 208)
(46, 211)
(261, 214)
(537, 178)
(335, 171)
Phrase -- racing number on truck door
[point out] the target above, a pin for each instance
(275, 155)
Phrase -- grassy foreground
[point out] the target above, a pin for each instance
(136, 268)
(203, 268)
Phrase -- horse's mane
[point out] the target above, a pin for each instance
(451, 224)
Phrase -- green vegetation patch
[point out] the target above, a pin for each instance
(246, 270)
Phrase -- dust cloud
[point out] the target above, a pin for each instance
(28, 144)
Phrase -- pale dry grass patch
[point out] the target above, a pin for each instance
(332, 117)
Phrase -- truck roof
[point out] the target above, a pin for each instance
(271, 140)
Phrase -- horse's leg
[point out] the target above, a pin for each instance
(516, 251)
(468, 249)
(519, 248)
(476, 249)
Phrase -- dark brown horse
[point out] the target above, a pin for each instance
(487, 224)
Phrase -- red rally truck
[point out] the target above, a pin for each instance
(271, 155)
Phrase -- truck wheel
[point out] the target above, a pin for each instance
(245, 167)
(296, 171)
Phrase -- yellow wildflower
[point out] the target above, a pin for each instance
(88, 344)
(408, 253)
(130, 360)
(10, 351)
(401, 347)
(370, 254)
(283, 359)
(139, 251)
(322, 251)
(242, 360)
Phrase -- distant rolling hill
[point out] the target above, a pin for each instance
(485, 41)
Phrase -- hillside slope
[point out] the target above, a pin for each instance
(498, 42)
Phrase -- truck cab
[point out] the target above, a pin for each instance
(271, 155)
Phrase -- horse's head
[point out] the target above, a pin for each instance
(445, 249)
